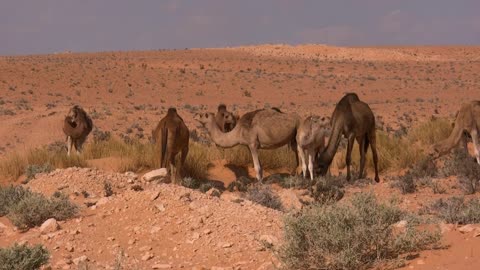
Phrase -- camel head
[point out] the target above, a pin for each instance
(204, 118)
(225, 120)
(322, 164)
(75, 112)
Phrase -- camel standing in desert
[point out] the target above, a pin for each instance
(76, 126)
(225, 119)
(311, 136)
(355, 120)
(260, 129)
(172, 137)
(467, 120)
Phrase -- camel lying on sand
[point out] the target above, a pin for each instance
(225, 120)
(172, 136)
(311, 136)
(355, 120)
(260, 129)
(467, 120)
(76, 126)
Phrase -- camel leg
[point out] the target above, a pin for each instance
(351, 140)
(301, 157)
(69, 145)
(295, 149)
(182, 159)
(373, 144)
(476, 144)
(311, 160)
(173, 169)
(256, 163)
(361, 144)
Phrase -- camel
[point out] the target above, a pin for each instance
(172, 137)
(467, 120)
(355, 120)
(225, 120)
(76, 126)
(311, 140)
(259, 129)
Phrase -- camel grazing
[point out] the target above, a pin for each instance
(467, 120)
(260, 129)
(311, 141)
(355, 120)
(225, 120)
(172, 136)
(76, 126)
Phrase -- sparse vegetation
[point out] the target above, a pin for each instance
(465, 168)
(28, 209)
(35, 169)
(23, 257)
(349, 236)
(455, 210)
(263, 195)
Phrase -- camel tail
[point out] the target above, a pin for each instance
(163, 145)
(452, 140)
(367, 143)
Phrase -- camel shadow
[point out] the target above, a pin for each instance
(239, 171)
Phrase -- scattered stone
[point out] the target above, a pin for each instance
(161, 266)
(401, 224)
(155, 195)
(467, 228)
(69, 247)
(147, 256)
(102, 201)
(213, 192)
(226, 245)
(269, 240)
(160, 207)
(80, 259)
(155, 174)
(420, 262)
(50, 225)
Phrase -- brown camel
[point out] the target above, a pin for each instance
(172, 137)
(355, 120)
(311, 136)
(225, 120)
(260, 129)
(467, 120)
(76, 126)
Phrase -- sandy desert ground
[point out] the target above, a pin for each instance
(127, 93)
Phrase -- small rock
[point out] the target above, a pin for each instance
(467, 228)
(160, 207)
(145, 248)
(213, 192)
(102, 201)
(401, 224)
(226, 245)
(155, 195)
(207, 231)
(80, 259)
(50, 225)
(161, 266)
(155, 174)
(270, 240)
(147, 256)
(421, 262)
(69, 247)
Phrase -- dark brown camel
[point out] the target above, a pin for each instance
(76, 126)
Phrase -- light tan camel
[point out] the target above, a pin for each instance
(225, 120)
(172, 137)
(76, 126)
(355, 120)
(260, 129)
(467, 120)
(311, 136)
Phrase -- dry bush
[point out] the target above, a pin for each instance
(263, 195)
(393, 153)
(455, 210)
(430, 132)
(282, 157)
(12, 166)
(353, 235)
(23, 257)
(465, 168)
(199, 160)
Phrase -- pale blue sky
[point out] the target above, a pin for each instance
(45, 26)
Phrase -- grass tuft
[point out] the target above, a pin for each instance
(23, 257)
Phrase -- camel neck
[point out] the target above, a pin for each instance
(226, 140)
(333, 143)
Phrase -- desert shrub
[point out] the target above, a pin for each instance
(204, 187)
(282, 157)
(199, 160)
(22, 257)
(354, 235)
(405, 183)
(455, 210)
(12, 166)
(189, 182)
(263, 195)
(10, 195)
(328, 189)
(295, 181)
(34, 169)
(107, 189)
(465, 168)
(240, 184)
(430, 132)
(27, 209)
(393, 153)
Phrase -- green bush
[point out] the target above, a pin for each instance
(349, 236)
(27, 209)
(22, 257)
(35, 169)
